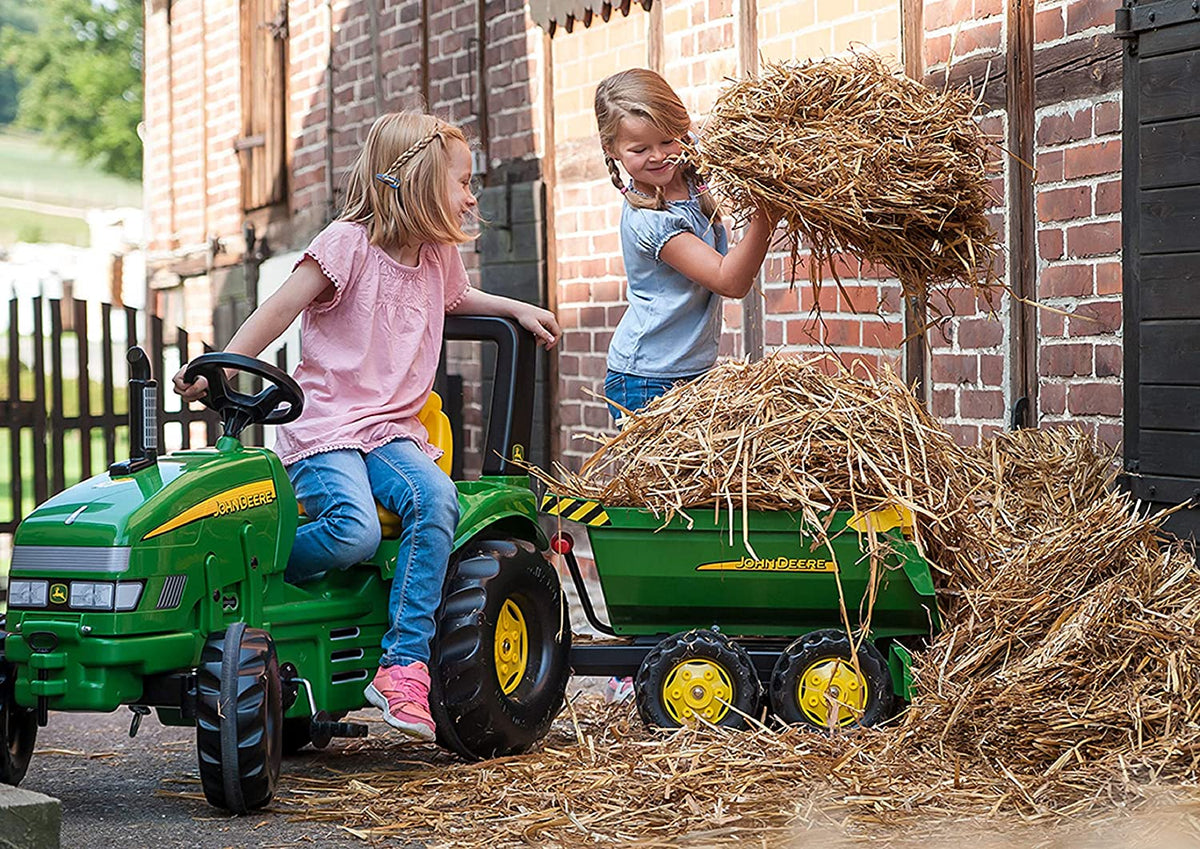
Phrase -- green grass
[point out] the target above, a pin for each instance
(20, 225)
(31, 169)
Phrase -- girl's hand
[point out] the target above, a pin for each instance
(189, 391)
(541, 323)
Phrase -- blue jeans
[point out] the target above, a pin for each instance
(633, 392)
(338, 490)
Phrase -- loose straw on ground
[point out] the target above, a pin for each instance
(1064, 688)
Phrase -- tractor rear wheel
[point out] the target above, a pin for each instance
(815, 682)
(18, 729)
(500, 658)
(239, 718)
(695, 676)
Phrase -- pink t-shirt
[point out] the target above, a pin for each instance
(369, 356)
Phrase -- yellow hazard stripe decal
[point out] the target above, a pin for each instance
(576, 509)
(230, 501)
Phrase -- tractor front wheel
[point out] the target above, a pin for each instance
(815, 682)
(500, 658)
(696, 676)
(18, 729)
(239, 718)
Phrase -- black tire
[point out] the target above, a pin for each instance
(18, 729)
(825, 656)
(492, 585)
(726, 694)
(239, 719)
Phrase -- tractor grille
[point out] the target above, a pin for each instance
(172, 592)
(70, 558)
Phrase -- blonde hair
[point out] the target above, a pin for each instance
(410, 150)
(641, 93)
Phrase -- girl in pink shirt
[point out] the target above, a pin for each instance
(374, 287)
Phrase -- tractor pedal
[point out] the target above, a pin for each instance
(338, 729)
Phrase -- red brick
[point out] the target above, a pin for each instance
(1108, 278)
(1064, 204)
(803, 332)
(1051, 324)
(1094, 239)
(1102, 399)
(985, 37)
(1092, 159)
(858, 299)
(981, 403)
(943, 403)
(782, 300)
(980, 333)
(828, 296)
(1065, 281)
(1052, 398)
(1109, 433)
(773, 333)
(843, 332)
(888, 335)
(1110, 360)
(937, 50)
(955, 368)
(965, 435)
(1050, 244)
(1049, 165)
(1048, 25)
(1108, 197)
(945, 13)
(988, 8)
(1065, 360)
(1088, 14)
(1063, 128)
(991, 370)
(1096, 318)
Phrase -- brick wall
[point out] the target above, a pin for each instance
(192, 126)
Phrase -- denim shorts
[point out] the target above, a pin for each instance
(633, 392)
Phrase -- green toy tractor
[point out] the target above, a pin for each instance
(159, 585)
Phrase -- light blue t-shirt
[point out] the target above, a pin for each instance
(673, 325)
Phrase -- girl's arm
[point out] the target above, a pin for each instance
(273, 316)
(731, 275)
(541, 323)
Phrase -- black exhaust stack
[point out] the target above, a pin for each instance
(143, 416)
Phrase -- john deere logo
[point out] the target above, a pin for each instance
(770, 564)
(518, 452)
(58, 593)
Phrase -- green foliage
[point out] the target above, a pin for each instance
(81, 77)
(21, 17)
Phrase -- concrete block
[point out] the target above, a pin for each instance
(28, 820)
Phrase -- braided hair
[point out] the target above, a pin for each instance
(641, 93)
(397, 185)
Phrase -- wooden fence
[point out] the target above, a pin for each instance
(40, 412)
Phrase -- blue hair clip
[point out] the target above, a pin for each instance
(389, 180)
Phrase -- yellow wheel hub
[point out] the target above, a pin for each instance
(831, 693)
(697, 688)
(512, 647)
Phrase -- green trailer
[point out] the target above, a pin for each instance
(707, 624)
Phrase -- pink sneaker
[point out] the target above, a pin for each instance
(402, 693)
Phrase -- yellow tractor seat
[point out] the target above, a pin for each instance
(437, 424)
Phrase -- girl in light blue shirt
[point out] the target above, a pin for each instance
(677, 259)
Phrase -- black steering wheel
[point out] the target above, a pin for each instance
(280, 402)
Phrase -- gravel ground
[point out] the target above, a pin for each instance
(112, 787)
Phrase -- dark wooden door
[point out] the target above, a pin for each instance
(1161, 218)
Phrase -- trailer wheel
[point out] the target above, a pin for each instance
(499, 664)
(815, 682)
(18, 729)
(239, 718)
(297, 732)
(693, 676)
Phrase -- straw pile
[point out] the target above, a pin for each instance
(861, 159)
(1064, 687)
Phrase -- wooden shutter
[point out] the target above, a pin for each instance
(263, 145)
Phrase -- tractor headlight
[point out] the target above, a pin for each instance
(27, 593)
(128, 595)
(91, 595)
